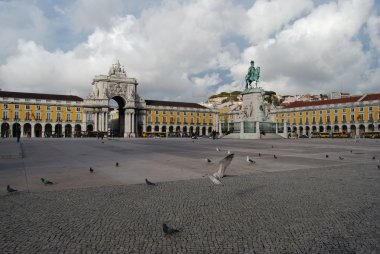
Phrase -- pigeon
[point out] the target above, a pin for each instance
(169, 231)
(274, 156)
(378, 166)
(46, 182)
(327, 155)
(223, 164)
(91, 170)
(373, 158)
(117, 164)
(10, 189)
(250, 160)
(272, 146)
(341, 158)
(228, 152)
(207, 160)
(351, 151)
(148, 182)
(259, 154)
(217, 149)
(102, 142)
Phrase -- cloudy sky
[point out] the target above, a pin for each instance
(186, 50)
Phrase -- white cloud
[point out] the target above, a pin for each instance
(178, 49)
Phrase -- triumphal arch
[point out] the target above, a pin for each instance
(121, 88)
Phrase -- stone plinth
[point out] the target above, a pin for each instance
(253, 104)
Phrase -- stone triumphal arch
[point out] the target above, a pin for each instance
(119, 87)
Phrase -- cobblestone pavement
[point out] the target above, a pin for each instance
(333, 209)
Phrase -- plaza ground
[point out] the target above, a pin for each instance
(301, 202)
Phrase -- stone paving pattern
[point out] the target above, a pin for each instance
(326, 206)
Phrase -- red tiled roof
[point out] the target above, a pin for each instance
(174, 104)
(298, 104)
(372, 97)
(40, 96)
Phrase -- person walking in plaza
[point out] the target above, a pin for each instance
(18, 133)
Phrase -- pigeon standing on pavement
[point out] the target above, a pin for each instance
(117, 164)
(259, 154)
(341, 158)
(327, 155)
(378, 166)
(169, 231)
(274, 156)
(250, 160)
(10, 189)
(373, 158)
(149, 182)
(91, 170)
(46, 182)
(217, 149)
(207, 160)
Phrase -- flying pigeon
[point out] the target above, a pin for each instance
(250, 160)
(223, 164)
(217, 149)
(341, 158)
(169, 231)
(117, 164)
(207, 160)
(148, 182)
(46, 182)
(10, 189)
(91, 170)
(274, 156)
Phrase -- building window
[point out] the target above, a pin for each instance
(5, 106)
(5, 115)
(171, 117)
(344, 118)
(38, 116)
(78, 109)
(336, 119)
(328, 119)
(370, 108)
(59, 108)
(38, 107)
(17, 106)
(370, 117)
(78, 116)
(361, 109)
(156, 116)
(59, 117)
(68, 117)
(27, 106)
(17, 116)
(27, 116)
(68, 108)
(48, 116)
(47, 107)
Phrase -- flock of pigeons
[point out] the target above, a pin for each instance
(215, 178)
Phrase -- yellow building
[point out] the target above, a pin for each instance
(170, 118)
(40, 115)
(355, 115)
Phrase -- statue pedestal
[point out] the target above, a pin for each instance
(253, 104)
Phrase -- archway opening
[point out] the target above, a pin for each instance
(344, 128)
(361, 130)
(5, 130)
(38, 130)
(321, 128)
(353, 130)
(77, 131)
(58, 131)
(336, 128)
(371, 127)
(27, 130)
(307, 130)
(68, 131)
(15, 127)
(48, 130)
(116, 116)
